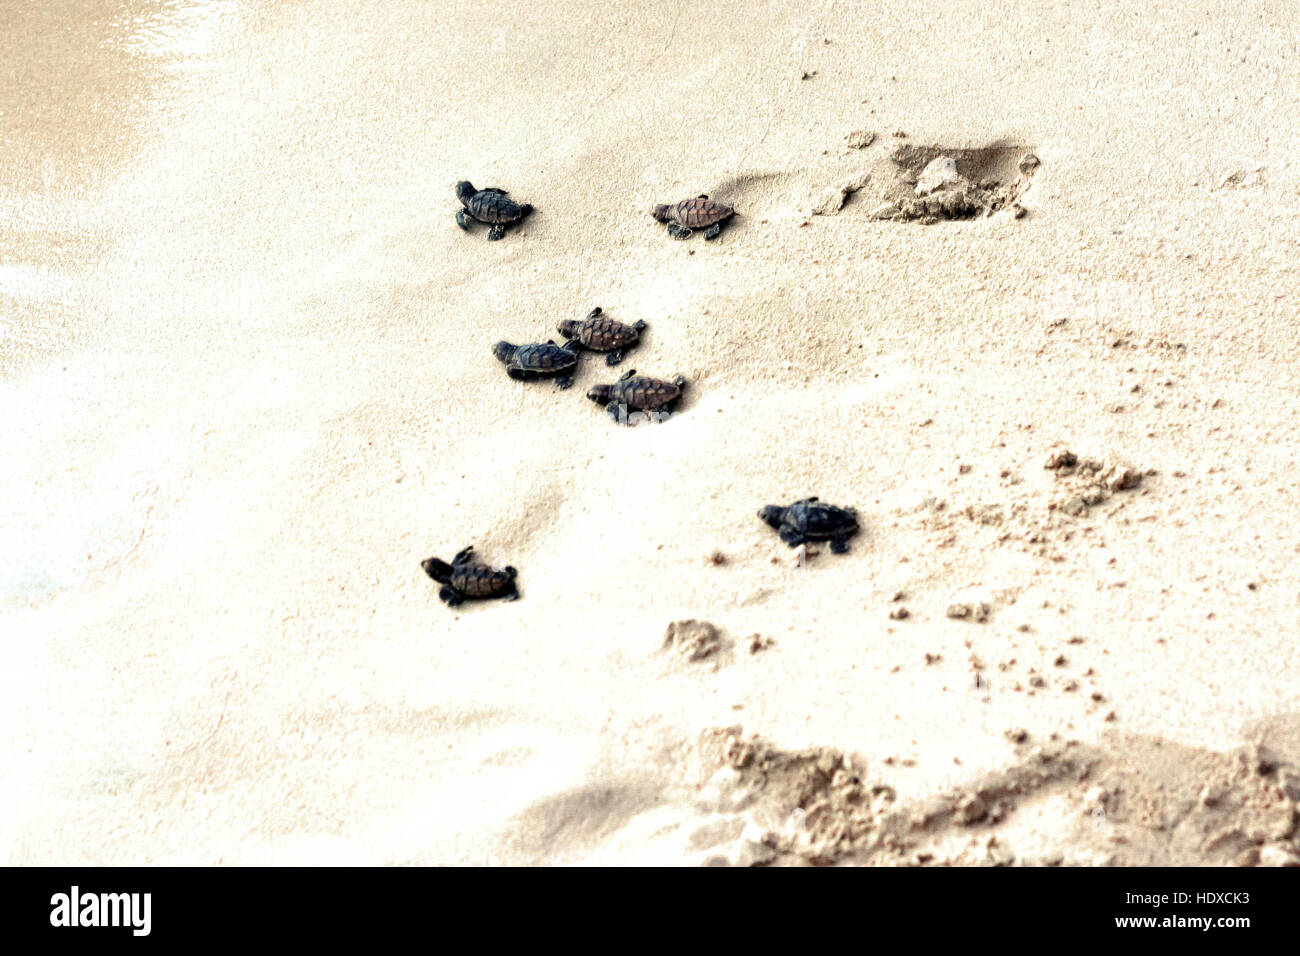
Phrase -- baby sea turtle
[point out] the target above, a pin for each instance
(811, 520)
(686, 216)
(492, 206)
(467, 578)
(600, 333)
(636, 393)
(525, 363)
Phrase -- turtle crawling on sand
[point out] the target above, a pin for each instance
(634, 392)
(467, 578)
(525, 363)
(600, 333)
(685, 217)
(811, 520)
(492, 206)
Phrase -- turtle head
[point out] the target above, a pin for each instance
(464, 190)
(504, 351)
(772, 515)
(568, 328)
(659, 212)
(440, 571)
(600, 393)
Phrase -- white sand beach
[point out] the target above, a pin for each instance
(247, 386)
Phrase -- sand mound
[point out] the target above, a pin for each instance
(1140, 802)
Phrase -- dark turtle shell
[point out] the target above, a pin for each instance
(694, 213)
(643, 392)
(492, 206)
(466, 577)
(544, 357)
(812, 520)
(481, 581)
(600, 333)
(495, 208)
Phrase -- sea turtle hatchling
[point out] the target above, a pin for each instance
(492, 206)
(812, 520)
(467, 578)
(525, 363)
(686, 216)
(634, 392)
(600, 333)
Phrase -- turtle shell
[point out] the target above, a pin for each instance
(492, 206)
(815, 519)
(698, 213)
(643, 392)
(480, 580)
(603, 334)
(544, 357)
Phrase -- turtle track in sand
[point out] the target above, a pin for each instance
(887, 179)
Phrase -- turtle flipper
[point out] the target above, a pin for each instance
(791, 537)
(617, 411)
(450, 596)
(713, 230)
(496, 232)
(520, 374)
(462, 219)
(639, 325)
(626, 375)
(493, 189)
(564, 381)
(594, 312)
(840, 544)
(463, 555)
(678, 231)
(614, 357)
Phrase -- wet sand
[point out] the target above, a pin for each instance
(248, 382)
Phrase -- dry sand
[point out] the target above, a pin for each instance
(247, 387)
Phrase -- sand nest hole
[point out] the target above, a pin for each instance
(928, 184)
